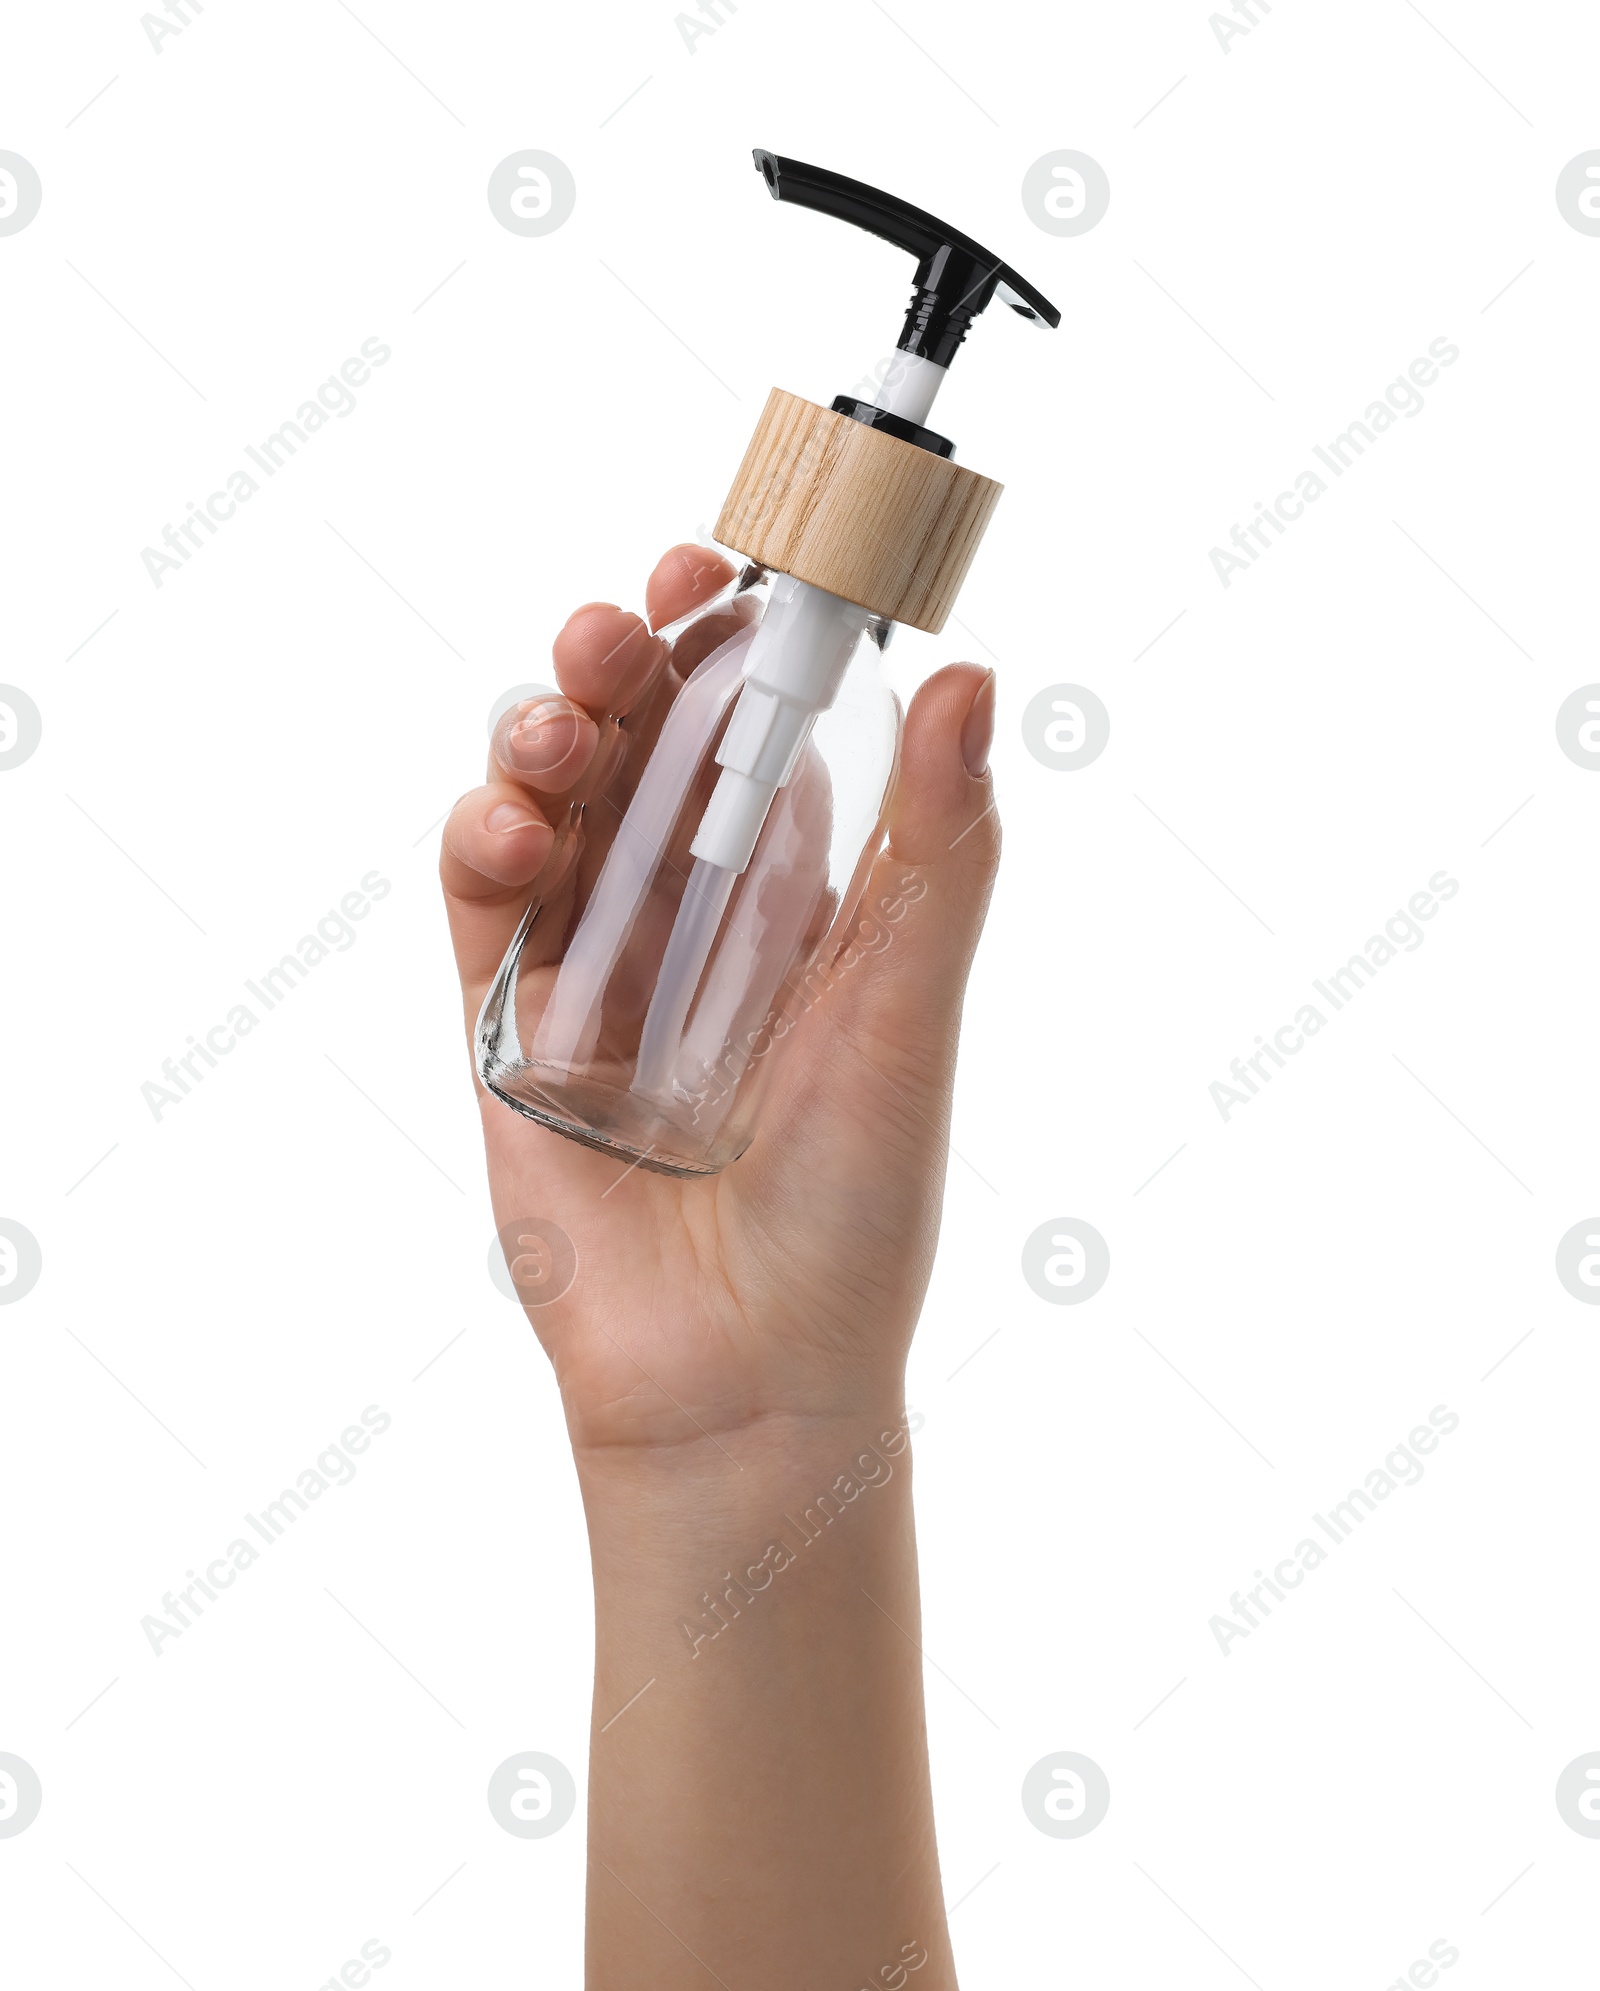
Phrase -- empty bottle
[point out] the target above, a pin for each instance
(648, 1025)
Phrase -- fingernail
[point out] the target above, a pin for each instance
(505, 817)
(977, 733)
(542, 738)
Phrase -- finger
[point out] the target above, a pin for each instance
(942, 814)
(606, 658)
(940, 862)
(497, 843)
(683, 583)
(495, 839)
(861, 1096)
(883, 1036)
(684, 579)
(546, 744)
(509, 842)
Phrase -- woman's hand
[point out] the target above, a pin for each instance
(731, 1355)
(786, 1287)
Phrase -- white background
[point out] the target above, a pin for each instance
(225, 757)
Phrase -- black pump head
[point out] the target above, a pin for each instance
(956, 277)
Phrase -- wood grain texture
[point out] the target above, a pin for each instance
(856, 511)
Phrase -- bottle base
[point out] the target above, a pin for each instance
(602, 1117)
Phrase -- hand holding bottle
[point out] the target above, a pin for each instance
(731, 1345)
(788, 1285)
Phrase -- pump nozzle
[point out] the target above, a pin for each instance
(956, 277)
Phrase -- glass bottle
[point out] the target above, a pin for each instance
(642, 1008)
(646, 1025)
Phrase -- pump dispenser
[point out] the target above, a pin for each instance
(733, 881)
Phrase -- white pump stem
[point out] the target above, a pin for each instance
(806, 638)
(909, 386)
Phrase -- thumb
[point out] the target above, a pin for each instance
(928, 892)
(863, 1097)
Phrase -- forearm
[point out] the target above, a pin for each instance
(761, 1812)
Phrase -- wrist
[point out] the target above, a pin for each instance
(716, 1476)
(688, 1535)
(757, 1641)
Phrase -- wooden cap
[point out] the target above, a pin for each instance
(856, 511)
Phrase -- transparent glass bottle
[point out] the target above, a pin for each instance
(641, 1010)
(643, 1005)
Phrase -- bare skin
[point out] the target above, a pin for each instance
(733, 1347)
